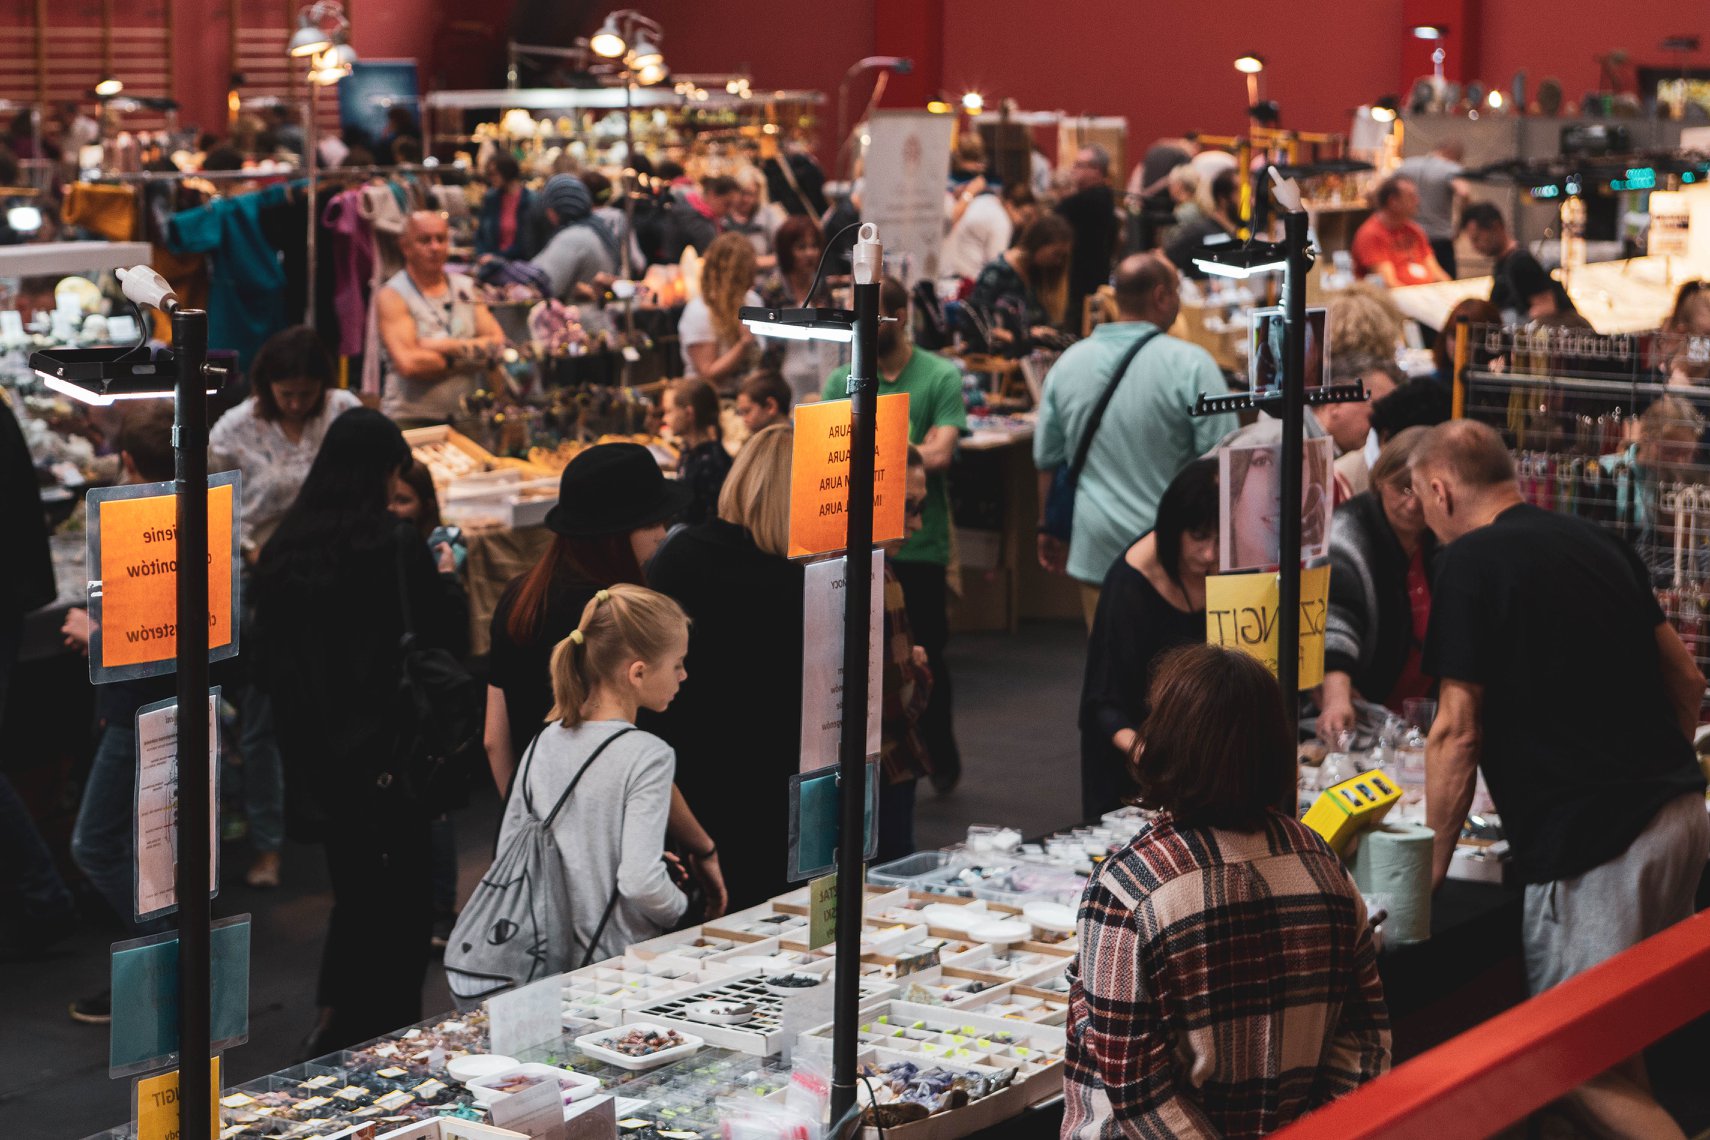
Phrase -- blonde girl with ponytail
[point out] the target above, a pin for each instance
(626, 654)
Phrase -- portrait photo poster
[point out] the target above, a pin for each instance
(1250, 504)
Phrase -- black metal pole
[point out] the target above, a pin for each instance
(190, 449)
(852, 758)
(1293, 453)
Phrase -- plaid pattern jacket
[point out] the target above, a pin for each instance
(1226, 984)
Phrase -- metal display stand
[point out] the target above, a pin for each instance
(1294, 256)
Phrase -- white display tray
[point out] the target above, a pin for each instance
(593, 1047)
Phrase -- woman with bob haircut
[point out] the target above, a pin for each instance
(736, 727)
(1226, 982)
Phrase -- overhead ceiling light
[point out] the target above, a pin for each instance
(309, 39)
(837, 325)
(644, 54)
(608, 42)
(109, 86)
(973, 102)
(1250, 64)
(1430, 31)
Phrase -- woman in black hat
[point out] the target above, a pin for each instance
(613, 504)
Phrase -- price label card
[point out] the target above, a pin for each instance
(156, 832)
(822, 911)
(133, 578)
(822, 659)
(157, 1105)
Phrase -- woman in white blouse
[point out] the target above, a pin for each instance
(272, 438)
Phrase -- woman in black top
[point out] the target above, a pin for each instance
(745, 598)
(1153, 600)
(613, 505)
(329, 620)
(691, 412)
(1024, 291)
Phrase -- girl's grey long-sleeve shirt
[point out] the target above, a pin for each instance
(610, 832)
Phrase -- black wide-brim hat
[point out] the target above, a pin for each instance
(614, 488)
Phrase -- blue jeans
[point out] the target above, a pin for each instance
(103, 842)
(262, 773)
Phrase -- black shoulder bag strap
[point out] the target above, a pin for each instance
(605, 918)
(1085, 445)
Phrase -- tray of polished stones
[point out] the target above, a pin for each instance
(931, 1035)
(747, 1013)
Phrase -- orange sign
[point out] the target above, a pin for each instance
(819, 475)
(139, 577)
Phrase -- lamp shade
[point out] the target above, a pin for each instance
(644, 54)
(608, 42)
(309, 40)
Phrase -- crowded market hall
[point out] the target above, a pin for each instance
(514, 389)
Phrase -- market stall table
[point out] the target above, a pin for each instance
(1629, 296)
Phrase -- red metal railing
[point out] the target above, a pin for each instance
(1519, 1061)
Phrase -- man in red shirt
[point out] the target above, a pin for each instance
(1391, 244)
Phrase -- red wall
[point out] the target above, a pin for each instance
(1163, 64)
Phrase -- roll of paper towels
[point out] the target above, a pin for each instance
(1394, 861)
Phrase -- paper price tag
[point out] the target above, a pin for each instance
(157, 1105)
(822, 911)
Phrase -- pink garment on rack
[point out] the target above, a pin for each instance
(353, 269)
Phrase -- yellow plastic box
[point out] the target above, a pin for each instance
(1352, 806)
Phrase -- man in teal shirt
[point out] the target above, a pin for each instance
(936, 418)
(1146, 436)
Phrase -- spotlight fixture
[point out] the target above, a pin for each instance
(608, 42)
(1250, 64)
(644, 54)
(308, 39)
(1429, 31)
(649, 74)
(109, 87)
(973, 102)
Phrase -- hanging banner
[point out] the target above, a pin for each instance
(819, 474)
(905, 175)
(1241, 612)
(133, 578)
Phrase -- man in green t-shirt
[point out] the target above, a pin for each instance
(936, 417)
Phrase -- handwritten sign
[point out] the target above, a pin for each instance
(1241, 612)
(819, 474)
(157, 1105)
(133, 558)
(822, 911)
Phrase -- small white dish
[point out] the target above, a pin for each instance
(1058, 918)
(597, 1045)
(576, 1086)
(474, 1066)
(1004, 932)
(720, 1012)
